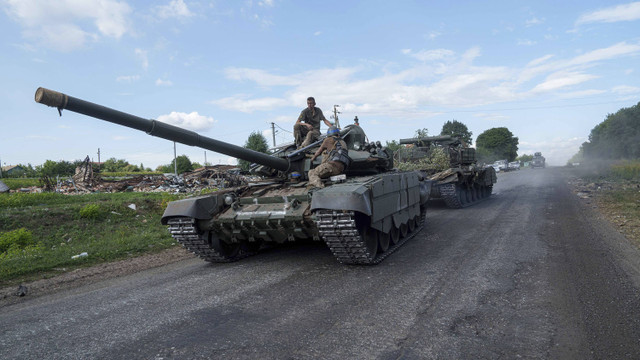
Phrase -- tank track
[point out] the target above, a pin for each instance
(451, 196)
(185, 231)
(338, 230)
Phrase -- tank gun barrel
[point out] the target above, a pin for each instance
(155, 128)
(426, 138)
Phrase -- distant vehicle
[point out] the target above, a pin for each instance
(514, 165)
(503, 165)
(538, 161)
(495, 167)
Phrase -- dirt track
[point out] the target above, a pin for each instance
(533, 272)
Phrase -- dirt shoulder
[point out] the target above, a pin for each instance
(617, 202)
(10, 294)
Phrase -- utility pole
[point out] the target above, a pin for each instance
(273, 132)
(98, 159)
(205, 158)
(335, 116)
(175, 160)
(0, 168)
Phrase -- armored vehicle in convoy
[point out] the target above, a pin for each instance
(538, 161)
(458, 180)
(362, 215)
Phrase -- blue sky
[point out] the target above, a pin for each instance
(549, 71)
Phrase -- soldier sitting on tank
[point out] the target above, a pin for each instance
(307, 128)
(334, 162)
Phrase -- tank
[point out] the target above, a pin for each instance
(452, 166)
(538, 161)
(362, 215)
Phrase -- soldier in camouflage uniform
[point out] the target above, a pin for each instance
(307, 128)
(334, 162)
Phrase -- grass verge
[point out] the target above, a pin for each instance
(41, 233)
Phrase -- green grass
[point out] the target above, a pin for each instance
(17, 183)
(50, 228)
(626, 170)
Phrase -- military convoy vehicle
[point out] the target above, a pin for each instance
(538, 161)
(363, 215)
(459, 181)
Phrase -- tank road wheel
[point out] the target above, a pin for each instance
(411, 225)
(229, 251)
(473, 194)
(404, 229)
(461, 194)
(383, 241)
(394, 235)
(370, 237)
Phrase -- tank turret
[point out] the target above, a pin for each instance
(362, 215)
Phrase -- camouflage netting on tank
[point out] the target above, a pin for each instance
(437, 160)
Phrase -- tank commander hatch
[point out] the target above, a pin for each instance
(307, 128)
(334, 162)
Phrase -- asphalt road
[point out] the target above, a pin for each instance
(530, 273)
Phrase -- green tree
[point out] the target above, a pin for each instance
(393, 145)
(420, 133)
(257, 142)
(457, 129)
(115, 165)
(617, 137)
(54, 168)
(184, 165)
(495, 144)
(524, 158)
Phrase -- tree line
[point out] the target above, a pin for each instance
(616, 138)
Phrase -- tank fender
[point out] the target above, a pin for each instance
(201, 207)
(353, 197)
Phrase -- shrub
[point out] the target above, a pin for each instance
(90, 211)
(16, 239)
(627, 170)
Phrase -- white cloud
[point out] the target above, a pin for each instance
(429, 55)
(610, 52)
(143, 57)
(191, 121)
(626, 90)
(533, 21)
(442, 78)
(562, 79)
(317, 33)
(251, 105)
(128, 78)
(433, 34)
(266, 3)
(175, 9)
(624, 12)
(526, 42)
(261, 77)
(161, 82)
(66, 25)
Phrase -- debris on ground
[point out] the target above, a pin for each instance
(86, 180)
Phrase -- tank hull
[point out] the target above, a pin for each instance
(362, 220)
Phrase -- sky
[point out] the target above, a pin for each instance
(549, 71)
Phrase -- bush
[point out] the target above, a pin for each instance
(627, 170)
(90, 211)
(15, 239)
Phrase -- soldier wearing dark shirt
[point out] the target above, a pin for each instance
(307, 128)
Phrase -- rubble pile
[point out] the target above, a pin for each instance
(86, 181)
